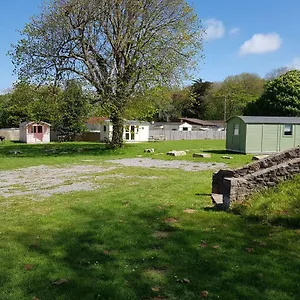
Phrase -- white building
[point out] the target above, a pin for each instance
(174, 126)
(134, 131)
(35, 132)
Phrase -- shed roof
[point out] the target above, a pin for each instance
(135, 122)
(269, 120)
(27, 123)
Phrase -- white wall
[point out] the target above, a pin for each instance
(141, 132)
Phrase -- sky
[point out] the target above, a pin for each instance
(254, 36)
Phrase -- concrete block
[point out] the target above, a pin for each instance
(176, 153)
(258, 157)
(205, 155)
(151, 150)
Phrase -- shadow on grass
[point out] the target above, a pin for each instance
(221, 152)
(104, 256)
(18, 149)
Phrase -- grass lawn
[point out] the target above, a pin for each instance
(146, 233)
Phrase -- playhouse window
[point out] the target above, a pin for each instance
(236, 129)
(37, 129)
(104, 128)
(185, 129)
(288, 129)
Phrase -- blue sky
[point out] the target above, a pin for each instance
(242, 36)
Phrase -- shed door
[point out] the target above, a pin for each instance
(236, 137)
(270, 138)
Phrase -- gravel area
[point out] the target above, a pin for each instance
(45, 181)
(167, 164)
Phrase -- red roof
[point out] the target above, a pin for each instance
(96, 120)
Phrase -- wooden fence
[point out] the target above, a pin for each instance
(10, 134)
(188, 135)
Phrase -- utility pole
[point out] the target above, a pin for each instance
(225, 109)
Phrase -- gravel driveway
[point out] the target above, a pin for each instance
(167, 164)
(43, 181)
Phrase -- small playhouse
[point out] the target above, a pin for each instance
(134, 131)
(247, 134)
(34, 132)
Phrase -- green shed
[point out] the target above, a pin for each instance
(247, 134)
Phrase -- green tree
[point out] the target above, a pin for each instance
(73, 110)
(29, 102)
(200, 89)
(281, 97)
(118, 47)
(233, 94)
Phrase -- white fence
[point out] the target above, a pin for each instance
(187, 135)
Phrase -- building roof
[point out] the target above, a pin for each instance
(96, 120)
(27, 123)
(269, 120)
(169, 123)
(138, 123)
(198, 122)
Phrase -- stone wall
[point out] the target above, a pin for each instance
(239, 183)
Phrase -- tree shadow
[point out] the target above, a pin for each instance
(104, 257)
(18, 149)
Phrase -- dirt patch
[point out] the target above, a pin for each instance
(161, 234)
(167, 164)
(190, 211)
(171, 220)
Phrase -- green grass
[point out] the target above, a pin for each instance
(102, 241)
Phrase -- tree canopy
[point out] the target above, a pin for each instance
(235, 92)
(118, 47)
(281, 97)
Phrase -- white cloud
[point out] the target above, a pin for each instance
(261, 43)
(295, 65)
(234, 31)
(214, 29)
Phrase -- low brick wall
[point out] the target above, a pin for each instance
(238, 184)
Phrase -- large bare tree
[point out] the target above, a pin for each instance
(119, 47)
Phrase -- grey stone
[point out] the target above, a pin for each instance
(258, 157)
(205, 155)
(176, 153)
(151, 150)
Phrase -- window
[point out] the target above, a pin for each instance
(37, 129)
(40, 129)
(236, 129)
(288, 129)
(185, 129)
(104, 128)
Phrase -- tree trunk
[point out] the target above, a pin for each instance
(118, 128)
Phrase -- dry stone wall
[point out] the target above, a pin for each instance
(238, 184)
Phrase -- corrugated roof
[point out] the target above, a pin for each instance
(269, 120)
